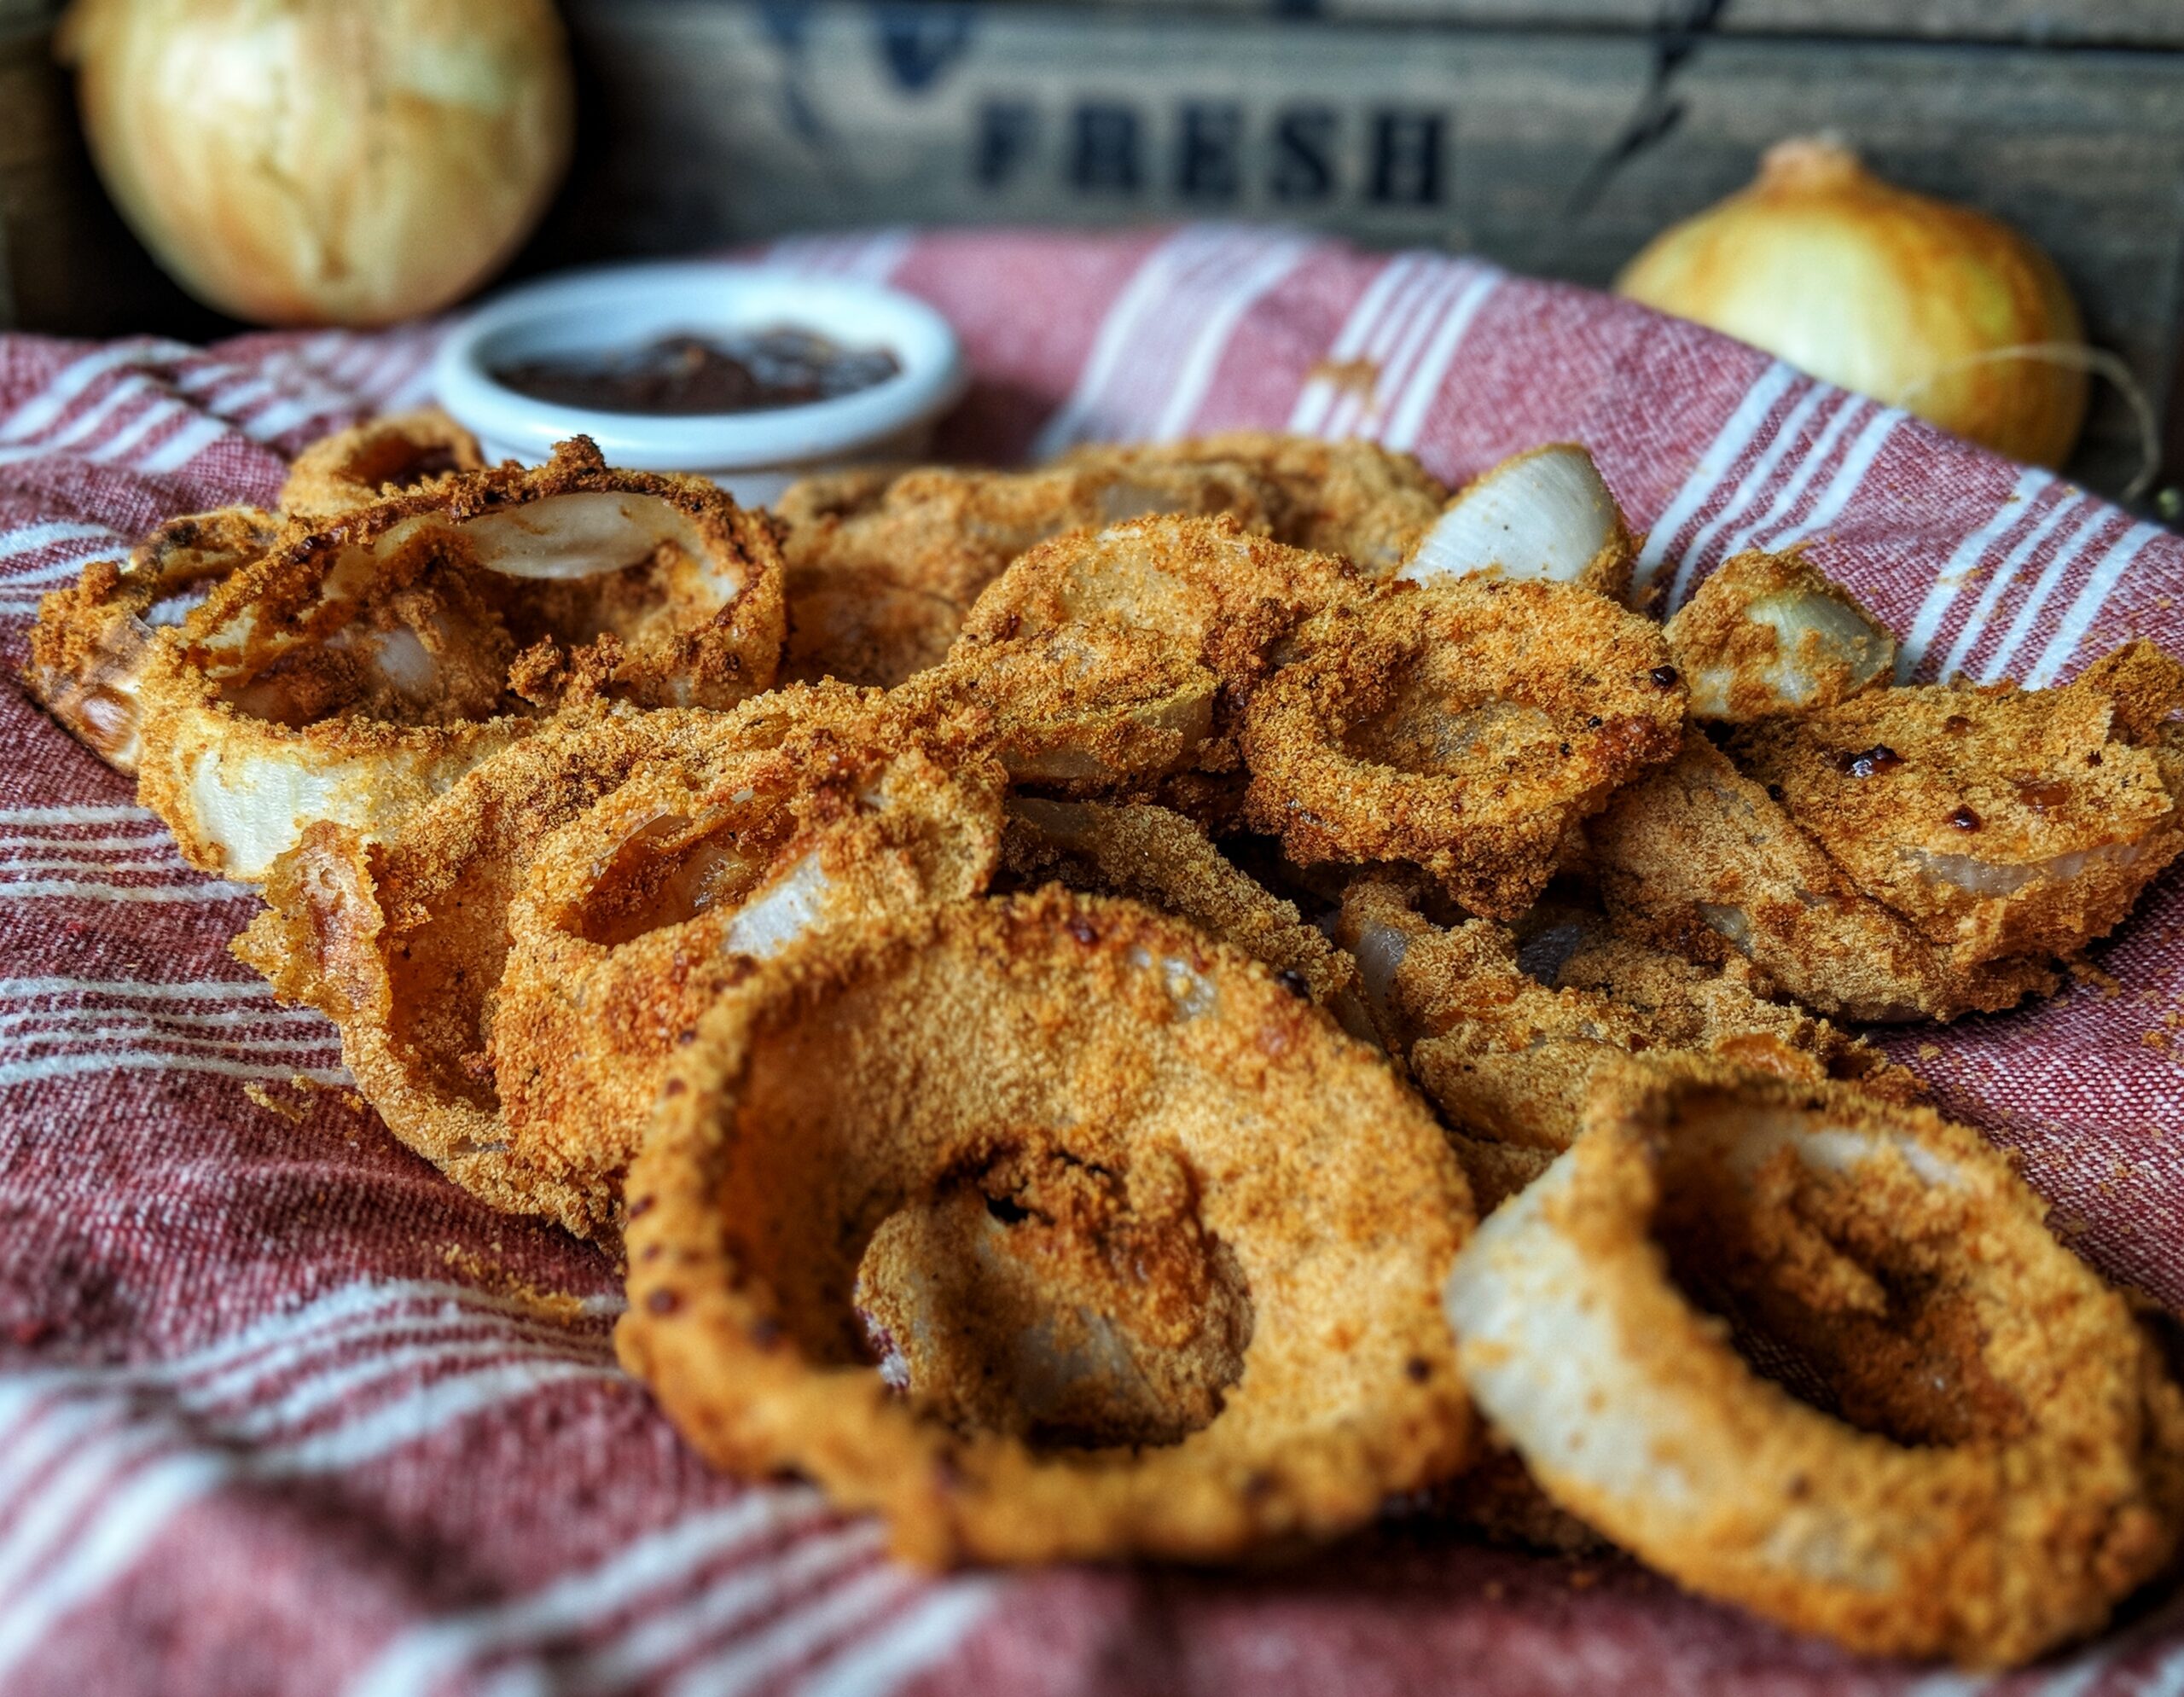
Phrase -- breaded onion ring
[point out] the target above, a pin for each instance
(1505, 1035)
(1700, 861)
(1083, 709)
(357, 670)
(402, 942)
(637, 914)
(1354, 498)
(1467, 727)
(88, 647)
(1229, 600)
(1768, 634)
(2006, 1466)
(881, 568)
(1212, 1171)
(1543, 514)
(369, 461)
(2000, 822)
(1160, 858)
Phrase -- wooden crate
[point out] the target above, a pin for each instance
(1431, 122)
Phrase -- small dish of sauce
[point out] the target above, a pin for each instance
(751, 375)
(686, 376)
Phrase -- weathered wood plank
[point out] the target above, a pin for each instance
(729, 119)
(2117, 23)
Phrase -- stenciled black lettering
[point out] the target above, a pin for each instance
(1103, 155)
(1406, 167)
(1007, 128)
(1303, 154)
(1209, 154)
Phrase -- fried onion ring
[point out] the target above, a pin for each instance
(402, 941)
(637, 914)
(357, 670)
(1466, 727)
(1507, 1034)
(1701, 861)
(1160, 858)
(1220, 596)
(89, 647)
(881, 569)
(1083, 709)
(369, 461)
(1768, 634)
(2000, 822)
(1353, 499)
(1120, 1095)
(2006, 1464)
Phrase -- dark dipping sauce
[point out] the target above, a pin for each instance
(678, 377)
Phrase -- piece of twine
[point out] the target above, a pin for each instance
(2097, 362)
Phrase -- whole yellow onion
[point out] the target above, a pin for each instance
(325, 161)
(1927, 306)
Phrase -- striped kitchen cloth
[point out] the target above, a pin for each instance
(281, 1410)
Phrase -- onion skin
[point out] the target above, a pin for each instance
(1880, 290)
(320, 162)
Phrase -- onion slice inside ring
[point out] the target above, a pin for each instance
(1542, 514)
(2001, 1463)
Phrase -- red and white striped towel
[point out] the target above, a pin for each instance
(278, 1408)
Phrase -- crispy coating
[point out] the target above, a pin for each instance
(1996, 1454)
(881, 568)
(1466, 726)
(1505, 1035)
(88, 650)
(1232, 601)
(369, 461)
(1700, 861)
(356, 669)
(1354, 498)
(2000, 822)
(1082, 709)
(1134, 1094)
(402, 942)
(1160, 858)
(1768, 634)
(633, 917)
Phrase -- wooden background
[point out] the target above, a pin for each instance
(1554, 136)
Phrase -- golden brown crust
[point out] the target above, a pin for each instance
(402, 942)
(2006, 1464)
(1215, 594)
(1050, 1029)
(1769, 634)
(1465, 726)
(1700, 861)
(1162, 859)
(1366, 503)
(88, 648)
(359, 668)
(1999, 821)
(1505, 1036)
(635, 916)
(382, 456)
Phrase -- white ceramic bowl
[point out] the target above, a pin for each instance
(753, 455)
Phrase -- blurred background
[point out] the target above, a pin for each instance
(1556, 136)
